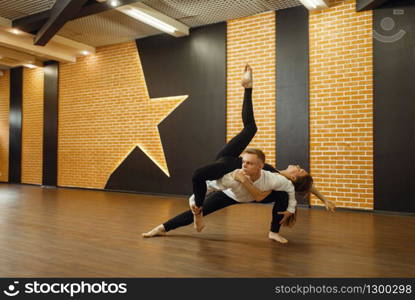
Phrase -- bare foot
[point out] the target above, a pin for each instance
(156, 231)
(276, 237)
(247, 77)
(198, 222)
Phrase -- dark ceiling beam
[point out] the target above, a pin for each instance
(33, 23)
(61, 12)
(362, 5)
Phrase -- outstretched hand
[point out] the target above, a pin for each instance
(330, 206)
(195, 210)
(286, 214)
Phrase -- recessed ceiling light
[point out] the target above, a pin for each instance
(85, 53)
(15, 31)
(30, 66)
(315, 4)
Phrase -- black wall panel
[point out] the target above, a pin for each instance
(50, 123)
(292, 106)
(196, 130)
(394, 107)
(15, 125)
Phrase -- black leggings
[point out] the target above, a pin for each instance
(219, 200)
(227, 159)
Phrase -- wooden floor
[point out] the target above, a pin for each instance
(79, 233)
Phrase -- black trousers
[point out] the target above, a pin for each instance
(227, 159)
(219, 200)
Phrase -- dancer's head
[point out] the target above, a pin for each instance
(295, 171)
(252, 161)
(302, 181)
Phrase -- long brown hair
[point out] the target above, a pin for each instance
(290, 221)
(303, 185)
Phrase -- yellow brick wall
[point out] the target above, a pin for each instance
(104, 113)
(103, 107)
(32, 126)
(4, 125)
(252, 40)
(341, 104)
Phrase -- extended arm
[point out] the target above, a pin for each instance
(330, 206)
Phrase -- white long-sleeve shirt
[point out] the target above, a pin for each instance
(266, 182)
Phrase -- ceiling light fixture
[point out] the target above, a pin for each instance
(85, 53)
(114, 3)
(143, 17)
(30, 66)
(311, 2)
(15, 31)
(154, 18)
(315, 4)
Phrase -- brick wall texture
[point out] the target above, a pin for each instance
(104, 113)
(32, 126)
(252, 40)
(341, 104)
